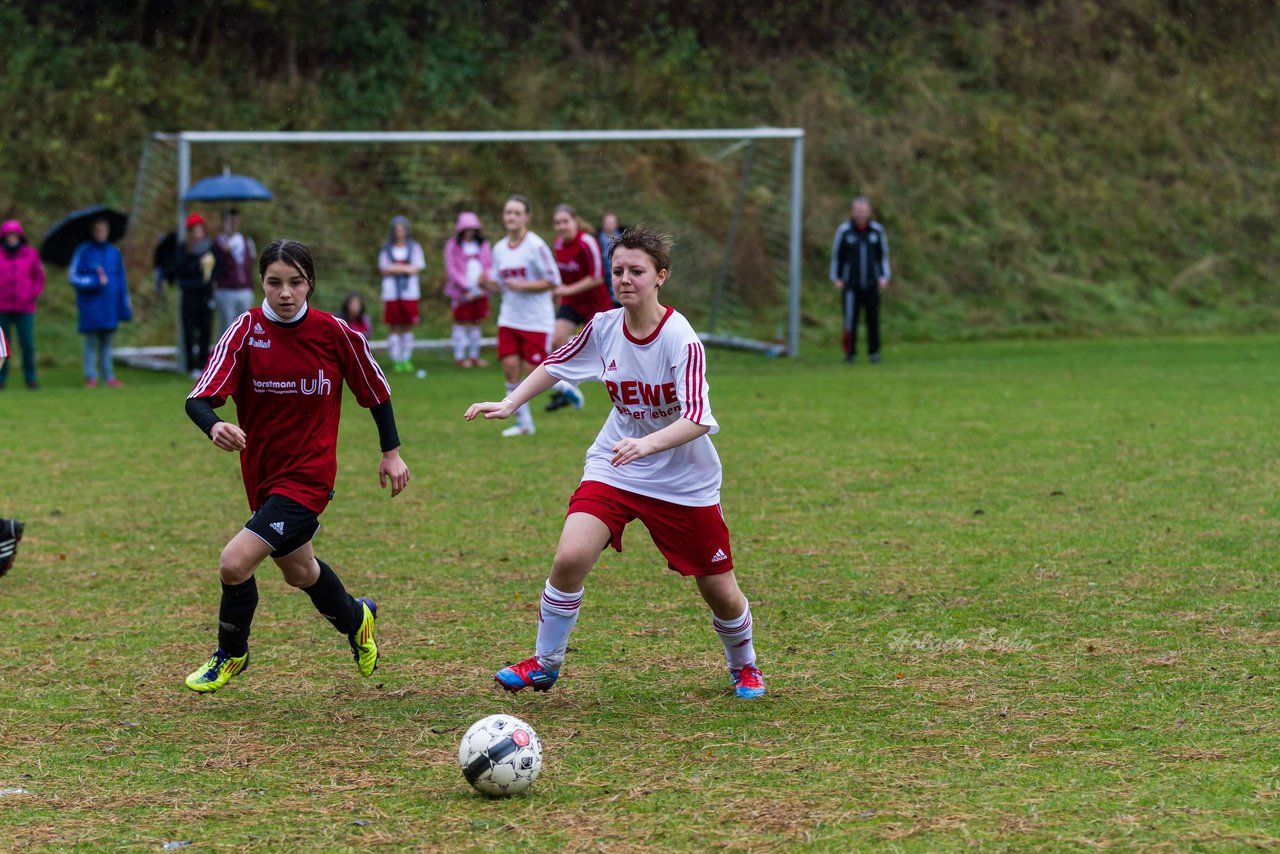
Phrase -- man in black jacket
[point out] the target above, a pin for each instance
(860, 270)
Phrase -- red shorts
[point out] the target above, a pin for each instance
(400, 312)
(473, 311)
(530, 346)
(694, 540)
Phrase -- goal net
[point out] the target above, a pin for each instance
(731, 198)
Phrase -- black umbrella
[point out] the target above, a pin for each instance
(60, 241)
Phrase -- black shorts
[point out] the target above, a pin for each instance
(283, 524)
(567, 312)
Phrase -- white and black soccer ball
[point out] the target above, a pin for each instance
(500, 755)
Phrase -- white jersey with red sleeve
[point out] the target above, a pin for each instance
(286, 381)
(651, 382)
(530, 260)
(4, 346)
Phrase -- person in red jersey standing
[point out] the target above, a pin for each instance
(284, 364)
(652, 460)
(582, 292)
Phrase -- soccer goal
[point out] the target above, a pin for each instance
(731, 197)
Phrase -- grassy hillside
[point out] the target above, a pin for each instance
(1053, 169)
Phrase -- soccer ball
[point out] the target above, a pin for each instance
(500, 755)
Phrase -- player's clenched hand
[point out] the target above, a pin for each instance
(629, 450)
(393, 468)
(227, 436)
(490, 410)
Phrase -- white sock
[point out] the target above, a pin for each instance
(736, 637)
(459, 342)
(406, 343)
(561, 385)
(393, 346)
(473, 340)
(556, 617)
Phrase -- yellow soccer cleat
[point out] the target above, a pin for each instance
(363, 647)
(217, 671)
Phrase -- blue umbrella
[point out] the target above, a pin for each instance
(228, 188)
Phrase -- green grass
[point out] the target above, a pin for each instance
(1018, 595)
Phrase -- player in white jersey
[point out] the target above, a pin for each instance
(653, 460)
(525, 273)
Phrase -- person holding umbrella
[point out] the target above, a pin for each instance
(195, 269)
(102, 300)
(238, 268)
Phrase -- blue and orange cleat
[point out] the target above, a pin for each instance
(748, 683)
(527, 674)
(363, 647)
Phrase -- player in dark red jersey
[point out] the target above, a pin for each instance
(284, 365)
(582, 293)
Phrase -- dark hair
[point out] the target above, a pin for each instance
(524, 200)
(655, 244)
(354, 295)
(293, 253)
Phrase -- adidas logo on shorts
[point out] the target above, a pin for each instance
(719, 556)
(278, 527)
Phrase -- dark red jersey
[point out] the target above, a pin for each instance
(286, 382)
(579, 259)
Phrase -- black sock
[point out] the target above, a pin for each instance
(332, 600)
(235, 615)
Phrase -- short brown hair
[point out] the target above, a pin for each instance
(655, 244)
(523, 200)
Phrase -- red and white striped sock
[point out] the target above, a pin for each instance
(736, 636)
(556, 616)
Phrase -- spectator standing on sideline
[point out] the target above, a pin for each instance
(233, 293)
(610, 231)
(21, 282)
(195, 269)
(102, 301)
(468, 268)
(400, 261)
(354, 314)
(860, 271)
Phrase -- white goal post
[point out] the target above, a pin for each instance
(184, 142)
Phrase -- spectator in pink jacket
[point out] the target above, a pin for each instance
(468, 265)
(21, 281)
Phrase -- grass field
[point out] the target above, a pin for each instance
(1019, 595)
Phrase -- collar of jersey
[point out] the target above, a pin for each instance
(648, 339)
(271, 315)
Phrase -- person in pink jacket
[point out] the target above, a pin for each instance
(21, 281)
(468, 265)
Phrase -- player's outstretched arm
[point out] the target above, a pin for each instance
(678, 433)
(534, 384)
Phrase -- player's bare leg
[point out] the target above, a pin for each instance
(513, 368)
(583, 539)
(732, 622)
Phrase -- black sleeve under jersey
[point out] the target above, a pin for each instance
(386, 421)
(200, 411)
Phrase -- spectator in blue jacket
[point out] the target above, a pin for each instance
(860, 271)
(102, 300)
